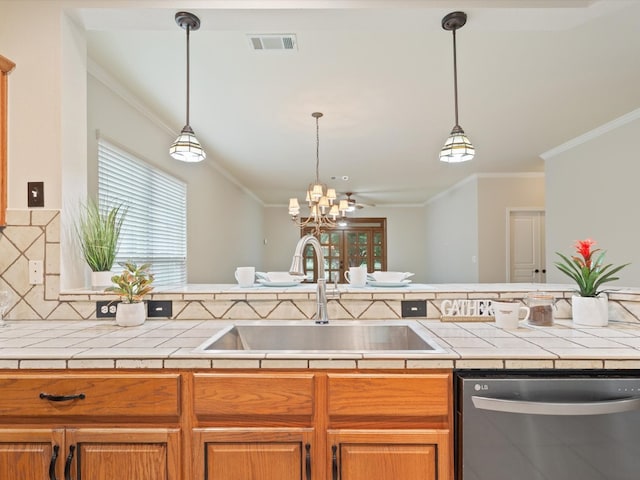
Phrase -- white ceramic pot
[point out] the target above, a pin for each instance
(590, 311)
(101, 280)
(131, 314)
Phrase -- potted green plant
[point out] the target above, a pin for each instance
(131, 286)
(590, 305)
(98, 232)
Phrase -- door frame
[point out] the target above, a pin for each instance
(507, 249)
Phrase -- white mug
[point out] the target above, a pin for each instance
(508, 314)
(245, 276)
(356, 276)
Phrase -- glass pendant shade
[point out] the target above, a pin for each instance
(187, 148)
(457, 148)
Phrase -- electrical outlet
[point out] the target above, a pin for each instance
(159, 308)
(36, 276)
(106, 309)
(413, 308)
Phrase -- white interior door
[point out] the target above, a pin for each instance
(527, 261)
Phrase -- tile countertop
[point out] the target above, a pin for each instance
(56, 344)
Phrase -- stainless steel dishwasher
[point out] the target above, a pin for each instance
(551, 426)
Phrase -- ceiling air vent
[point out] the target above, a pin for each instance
(271, 42)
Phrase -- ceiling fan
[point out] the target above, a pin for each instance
(353, 204)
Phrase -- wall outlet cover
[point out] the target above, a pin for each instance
(159, 308)
(413, 308)
(106, 309)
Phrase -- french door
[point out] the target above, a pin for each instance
(362, 241)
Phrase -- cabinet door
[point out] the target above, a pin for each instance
(31, 454)
(125, 454)
(389, 454)
(256, 454)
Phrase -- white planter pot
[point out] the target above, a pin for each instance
(131, 314)
(101, 280)
(590, 311)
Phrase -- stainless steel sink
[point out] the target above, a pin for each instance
(350, 336)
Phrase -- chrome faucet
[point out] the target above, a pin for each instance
(297, 268)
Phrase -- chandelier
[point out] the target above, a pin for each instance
(324, 207)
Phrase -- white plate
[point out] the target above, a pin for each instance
(278, 284)
(404, 283)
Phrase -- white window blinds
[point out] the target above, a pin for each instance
(155, 226)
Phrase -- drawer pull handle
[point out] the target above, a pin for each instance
(334, 462)
(67, 465)
(307, 447)
(52, 464)
(62, 398)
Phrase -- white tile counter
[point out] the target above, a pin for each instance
(60, 344)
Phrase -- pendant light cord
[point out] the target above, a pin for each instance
(455, 75)
(317, 151)
(188, 69)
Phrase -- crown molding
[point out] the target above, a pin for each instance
(592, 134)
(109, 81)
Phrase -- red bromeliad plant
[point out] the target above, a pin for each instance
(587, 272)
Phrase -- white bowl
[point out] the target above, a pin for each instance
(390, 277)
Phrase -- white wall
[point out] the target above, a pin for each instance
(224, 223)
(592, 191)
(451, 234)
(496, 194)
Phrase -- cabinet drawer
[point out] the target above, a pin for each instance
(389, 395)
(253, 394)
(121, 395)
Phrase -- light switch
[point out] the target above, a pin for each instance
(35, 272)
(35, 194)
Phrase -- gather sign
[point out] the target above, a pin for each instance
(467, 308)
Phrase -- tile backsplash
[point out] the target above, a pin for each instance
(31, 235)
(35, 235)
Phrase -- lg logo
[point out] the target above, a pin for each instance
(479, 387)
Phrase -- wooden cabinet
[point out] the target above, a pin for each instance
(31, 453)
(382, 426)
(90, 426)
(6, 66)
(333, 426)
(253, 453)
(388, 454)
(254, 426)
(226, 425)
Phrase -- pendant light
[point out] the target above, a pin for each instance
(457, 148)
(186, 148)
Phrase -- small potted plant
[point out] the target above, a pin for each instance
(131, 286)
(98, 232)
(590, 305)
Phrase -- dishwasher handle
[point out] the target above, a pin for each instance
(604, 407)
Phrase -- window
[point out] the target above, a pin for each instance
(362, 241)
(155, 227)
